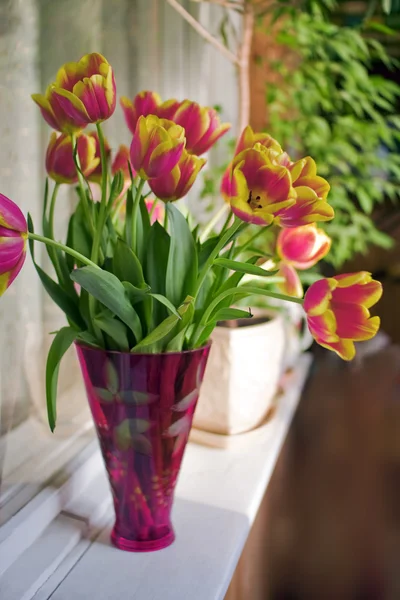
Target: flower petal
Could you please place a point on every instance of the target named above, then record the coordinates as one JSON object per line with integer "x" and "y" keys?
{"x": 11, "y": 215}
{"x": 292, "y": 285}
{"x": 318, "y": 296}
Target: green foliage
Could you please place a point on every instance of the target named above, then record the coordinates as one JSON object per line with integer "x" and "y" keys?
{"x": 332, "y": 108}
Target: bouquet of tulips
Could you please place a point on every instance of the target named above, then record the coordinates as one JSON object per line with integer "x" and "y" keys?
{"x": 133, "y": 274}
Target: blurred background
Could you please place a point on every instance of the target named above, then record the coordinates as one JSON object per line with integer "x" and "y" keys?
{"x": 323, "y": 78}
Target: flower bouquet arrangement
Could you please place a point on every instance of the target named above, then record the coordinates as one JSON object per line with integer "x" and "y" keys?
{"x": 142, "y": 289}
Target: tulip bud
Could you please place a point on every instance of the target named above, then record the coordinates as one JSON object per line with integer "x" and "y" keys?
{"x": 156, "y": 147}
{"x": 84, "y": 92}
{"x": 145, "y": 103}
{"x": 201, "y": 124}
{"x": 13, "y": 236}
{"x": 176, "y": 183}
{"x": 59, "y": 157}
{"x": 97, "y": 173}
{"x": 304, "y": 246}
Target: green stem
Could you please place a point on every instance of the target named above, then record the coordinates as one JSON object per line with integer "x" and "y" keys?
{"x": 136, "y": 202}
{"x": 54, "y": 255}
{"x": 103, "y": 203}
{"x": 211, "y": 224}
{"x": 221, "y": 244}
{"x": 63, "y": 248}
{"x": 81, "y": 183}
{"x": 247, "y": 290}
{"x": 250, "y": 241}
{"x": 226, "y": 224}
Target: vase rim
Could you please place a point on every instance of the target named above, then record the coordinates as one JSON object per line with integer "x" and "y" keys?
{"x": 121, "y": 352}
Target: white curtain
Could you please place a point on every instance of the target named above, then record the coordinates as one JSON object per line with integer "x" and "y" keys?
{"x": 149, "y": 47}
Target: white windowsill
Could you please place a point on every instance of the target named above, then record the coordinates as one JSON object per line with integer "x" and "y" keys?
{"x": 60, "y": 547}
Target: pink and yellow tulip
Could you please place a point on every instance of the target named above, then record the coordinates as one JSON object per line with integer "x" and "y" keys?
{"x": 337, "y": 311}
{"x": 60, "y": 164}
{"x": 177, "y": 183}
{"x": 121, "y": 163}
{"x": 156, "y": 147}
{"x": 201, "y": 124}
{"x": 260, "y": 187}
{"x": 303, "y": 247}
{"x": 247, "y": 140}
{"x": 84, "y": 92}
{"x": 145, "y": 103}
{"x": 168, "y": 108}
{"x": 13, "y": 236}
{"x": 97, "y": 173}
{"x": 311, "y": 192}
{"x": 291, "y": 284}
{"x": 156, "y": 211}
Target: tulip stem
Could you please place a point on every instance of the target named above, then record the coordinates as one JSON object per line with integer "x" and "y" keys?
{"x": 260, "y": 231}
{"x": 153, "y": 207}
{"x": 63, "y": 248}
{"x": 54, "y": 255}
{"x": 81, "y": 183}
{"x": 211, "y": 224}
{"x": 103, "y": 204}
{"x": 136, "y": 202}
{"x": 221, "y": 244}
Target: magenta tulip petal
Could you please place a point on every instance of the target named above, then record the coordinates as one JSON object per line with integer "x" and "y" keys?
{"x": 11, "y": 215}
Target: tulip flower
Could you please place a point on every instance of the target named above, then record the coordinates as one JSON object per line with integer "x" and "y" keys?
{"x": 247, "y": 140}
{"x": 303, "y": 247}
{"x": 311, "y": 192}
{"x": 176, "y": 183}
{"x": 97, "y": 173}
{"x": 13, "y": 236}
{"x": 167, "y": 109}
{"x": 291, "y": 285}
{"x": 156, "y": 210}
{"x": 259, "y": 187}
{"x": 145, "y": 103}
{"x": 59, "y": 157}
{"x": 337, "y": 311}
{"x": 84, "y": 92}
{"x": 156, "y": 147}
{"x": 201, "y": 124}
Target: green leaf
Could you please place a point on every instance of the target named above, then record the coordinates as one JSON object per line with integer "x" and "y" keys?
{"x": 182, "y": 260}
{"x": 142, "y": 230}
{"x": 81, "y": 239}
{"x": 108, "y": 290}
{"x": 229, "y": 314}
{"x": 241, "y": 267}
{"x": 115, "y": 329}
{"x": 155, "y": 267}
{"x": 177, "y": 342}
{"x": 128, "y": 217}
{"x": 88, "y": 339}
{"x": 126, "y": 265}
{"x": 165, "y": 302}
{"x": 56, "y": 293}
{"x": 58, "y": 348}
{"x": 161, "y": 332}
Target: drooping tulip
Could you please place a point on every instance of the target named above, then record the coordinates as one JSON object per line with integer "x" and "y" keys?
{"x": 176, "y": 183}
{"x": 247, "y": 140}
{"x": 97, "y": 173}
{"x": 303, "y": 247}
{"x": 84, "y": 92}
{"x": 145, "y": 103}
{"x": 291, "y": 284}
{"x": 156, "y": 147}
{"x": 259, "y": 187}
{"x": 13, "y": 236}
{"x": 59, "y": 157}
{"x": 337, "y": 311}
{"x": 202, "y": 126}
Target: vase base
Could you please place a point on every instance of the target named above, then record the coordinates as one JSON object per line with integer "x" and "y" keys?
{"x": 142, "y": 546}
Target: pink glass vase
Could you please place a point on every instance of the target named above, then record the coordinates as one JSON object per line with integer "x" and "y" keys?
{"x": 142, "y": 406}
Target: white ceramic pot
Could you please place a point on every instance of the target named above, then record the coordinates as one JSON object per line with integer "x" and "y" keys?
{"x": 242, "y": 376}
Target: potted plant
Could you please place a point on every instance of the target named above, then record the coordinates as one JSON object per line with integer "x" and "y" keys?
{"x": 141, "y": 300}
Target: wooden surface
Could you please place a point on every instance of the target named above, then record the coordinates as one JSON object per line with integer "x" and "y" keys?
{"x": 217, "y": 499}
